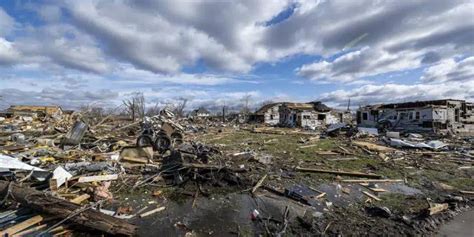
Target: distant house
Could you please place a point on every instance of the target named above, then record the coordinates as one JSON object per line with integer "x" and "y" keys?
{"x": 313, "y": 114}
{"x": 35, "y": 110}
{"x": 267, "y": 114}
{"x": 434, "y": 115}
{"x": 200, "y": 113}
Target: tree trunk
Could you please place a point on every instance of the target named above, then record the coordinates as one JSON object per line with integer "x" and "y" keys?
{"x": 43, "y": 202}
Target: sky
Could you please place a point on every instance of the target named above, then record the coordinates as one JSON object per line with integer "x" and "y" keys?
{"x": 216, "y": 52}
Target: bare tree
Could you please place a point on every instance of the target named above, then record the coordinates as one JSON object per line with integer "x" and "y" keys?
{"x": 246, "y": 104}
{"x": 180, "y": 106}
{"x": 154, "y": 110}
{"x": 135, "y": 105}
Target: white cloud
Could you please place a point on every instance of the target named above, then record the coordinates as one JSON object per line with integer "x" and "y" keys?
{"x": 399, "y": 35}
{"x": 450, "y": 70}
{"x": 446, "y": 79}
{"x": 352, "y": 66}
{"x": 8, "y": 54}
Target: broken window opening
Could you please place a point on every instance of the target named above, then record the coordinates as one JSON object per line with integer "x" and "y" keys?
{"x": 365, "y": 116}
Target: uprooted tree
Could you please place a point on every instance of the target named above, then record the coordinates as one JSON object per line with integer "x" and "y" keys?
{"x": 179, "y": 106}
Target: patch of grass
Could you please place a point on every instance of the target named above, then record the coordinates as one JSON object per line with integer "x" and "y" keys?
{"x": 403, "y": 204}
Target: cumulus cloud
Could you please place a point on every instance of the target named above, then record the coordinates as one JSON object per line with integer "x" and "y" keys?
{"x": 447, "y": 79}
{"x": 399, "y": 36}
{"x": 358, "y": 64}
{"x": 450, "y": 70}
{"x": 8, "y": 54}
{"x": 164, "y": 36}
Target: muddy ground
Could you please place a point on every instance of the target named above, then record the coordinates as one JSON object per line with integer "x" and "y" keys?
{"x": 224, "y": 209}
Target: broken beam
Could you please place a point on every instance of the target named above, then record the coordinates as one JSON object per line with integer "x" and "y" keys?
{"x": 346, "y": 173}
{"x": 372, "y": 180}
{"x": 97, "y": 178}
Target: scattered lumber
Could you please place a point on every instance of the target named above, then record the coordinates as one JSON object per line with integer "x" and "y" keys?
{"x": 97, "y": 178}
{"x": 371, "y": 196}
{"x": 145, "y": 214}
{"x": 79, "y": 199}
{"x": 372, "y": 180}
{"x": 327, "y": 153}
{"x": 308, "y": 146}
{"x": 62, "y": 208}
{"x": 22, "y": 225}
{"x": 467, "y": 192}
{"x": 347, "y": 173}
{"x": 29, "y": 231}
{"x": 373, "y": 147}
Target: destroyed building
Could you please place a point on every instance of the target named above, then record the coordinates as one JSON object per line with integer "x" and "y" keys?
{"x": 267, "y": 114}
{"x": 312, "y": 115}
{"x": 448, "y": 115}
{"x": 35, "y": 110}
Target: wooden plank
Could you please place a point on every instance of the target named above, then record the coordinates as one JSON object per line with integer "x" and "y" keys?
{"x": 80, "y": 199}
{"x": 371, "y": 196}
{"x": 135, "y": 159}
{"x": 378, "y": 190}
{"x": 437, "y": 208}
{"x": 467, "y": 192}
{"x": 373, "y": 147}
{"x": 259, "y": 183}
{"x": 308, "y": 146}
{"x": 30, "y": 230}
{"x": 327, "y": 153}
{"x": 62, "y": 233}
{"x": 347, "y": 173}
{"x": 97, "y": 178}
{"x": 372, "y": 180}
{"x": 152, "y": 212}
{"x": 22, "y": 225}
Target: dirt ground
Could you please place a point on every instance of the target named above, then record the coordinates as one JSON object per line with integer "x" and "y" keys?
{"x": 344, "y": 210}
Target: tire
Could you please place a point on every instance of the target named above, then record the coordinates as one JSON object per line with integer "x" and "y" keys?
{"x": 144, "y": 140}
{"x": 162, "y": 143}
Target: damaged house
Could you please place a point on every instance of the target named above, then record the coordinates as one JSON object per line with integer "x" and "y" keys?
{"x": 448, "y": 115}
{"x": 310, "y": 115}
{"x": 200, "y": 113}
{"x": 267, "y": 114}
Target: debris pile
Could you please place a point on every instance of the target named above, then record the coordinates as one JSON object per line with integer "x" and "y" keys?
{"x": 77, "y": 174}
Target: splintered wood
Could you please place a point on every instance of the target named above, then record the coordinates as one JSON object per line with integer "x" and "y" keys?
{"x": 97, "y": 178}
{"x": 22, "y": 225}
{"x": 373, "y": 147}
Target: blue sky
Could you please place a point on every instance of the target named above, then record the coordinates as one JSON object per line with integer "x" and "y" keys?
{"x": 93, "y": 52}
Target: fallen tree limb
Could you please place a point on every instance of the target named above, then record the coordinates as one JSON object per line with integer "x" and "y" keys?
{"x": 372, "y": 181}
{"x": 43, "y": 202}
{"x": 357, "y": 174}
